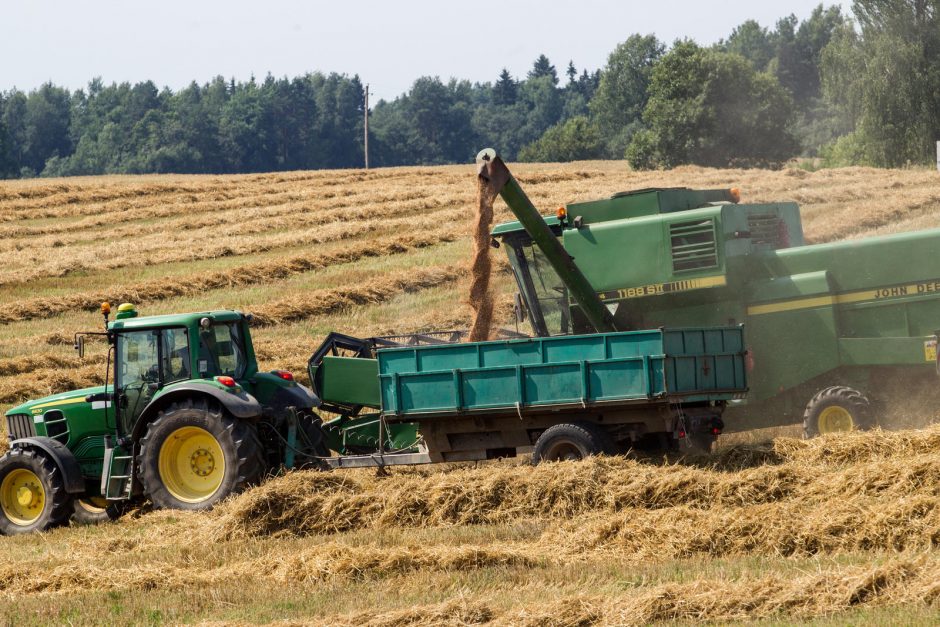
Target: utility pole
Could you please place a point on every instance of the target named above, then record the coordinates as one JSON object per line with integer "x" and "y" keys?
{"x": 367, "y": 127}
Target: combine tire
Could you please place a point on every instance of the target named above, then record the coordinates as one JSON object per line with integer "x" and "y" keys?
{"x": 837, "y": 409}
{"x": 32, "y": 492}
{"x": 95, "y": 510}
{"x": 572, "y": 441}
{"x": 194, "y": 455}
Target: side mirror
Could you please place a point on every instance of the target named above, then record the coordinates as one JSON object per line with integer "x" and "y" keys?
{"x": 80, "y": 346}
{"x": 519, "y": 308}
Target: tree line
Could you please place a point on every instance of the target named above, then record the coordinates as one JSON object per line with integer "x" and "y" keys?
{"x": 859, "y": 89}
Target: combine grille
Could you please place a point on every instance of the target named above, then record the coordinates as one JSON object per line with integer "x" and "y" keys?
{"x": 20, "y": 426}
{"x": 693, "y": 245}
{"x": 768, "y": 229}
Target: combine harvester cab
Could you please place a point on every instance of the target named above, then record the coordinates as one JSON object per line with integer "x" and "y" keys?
{"x": 831, "y": 328}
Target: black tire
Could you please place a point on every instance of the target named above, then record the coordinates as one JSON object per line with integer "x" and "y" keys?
{"x": 572, "y": 441}
{"x": 87, "y": 512}
{"x": 201, "y": 480}
{"x": 837, "y": 409}
{"x": 31, "y": 470}
{"x": 311, "y": 439}
{"x": 700, "y": 443}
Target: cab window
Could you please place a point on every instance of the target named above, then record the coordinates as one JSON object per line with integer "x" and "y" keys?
{"x": 175, "y": 354}
{"x": 147, "y": 360}
{"x": 222, "y": 351}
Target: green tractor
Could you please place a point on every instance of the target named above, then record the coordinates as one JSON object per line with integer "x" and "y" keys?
{"x": 184, "y": 418}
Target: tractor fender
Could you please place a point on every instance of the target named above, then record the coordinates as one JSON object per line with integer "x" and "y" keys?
{"x": 295, "y": 396}
{"x": 61, "y": 456}
{"x": 240, "y": 405}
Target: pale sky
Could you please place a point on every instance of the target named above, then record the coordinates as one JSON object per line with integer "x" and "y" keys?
{"x": 388, "y": 44}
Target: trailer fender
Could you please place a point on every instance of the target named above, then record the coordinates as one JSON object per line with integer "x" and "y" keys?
{"x": 61, "y": 456}
{"x": 240, "y": 405}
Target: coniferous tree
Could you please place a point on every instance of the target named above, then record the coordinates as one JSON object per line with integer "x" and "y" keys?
{"x": 506, "y": 89}
{"x": 543, "y": 67}
{"x": 572, "y": 73}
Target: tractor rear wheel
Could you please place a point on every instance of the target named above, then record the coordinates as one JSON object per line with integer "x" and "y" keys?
{"x": 32, "y": 492}
{"x": 572, "y": 441}
{"x": 194, "y": 455}
{"x": 94, "y": 510}
{"x": 837, "y": 409}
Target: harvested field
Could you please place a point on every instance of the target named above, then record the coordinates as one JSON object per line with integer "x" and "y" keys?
{"x": 838, "y": 530}
{"x": 789, "y": 530}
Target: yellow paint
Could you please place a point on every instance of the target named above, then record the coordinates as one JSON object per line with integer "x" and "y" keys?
{"x": 881, "y": 294}
{"x": 835, "y": 419}
{"x": 657, "y": 289}
{"x": 94, "y": 504}
{"x": 22, "y": 497}
{"x": 191, "y": 464}
{"x": 68, "y": 401}
{"x": 791, "y": 305}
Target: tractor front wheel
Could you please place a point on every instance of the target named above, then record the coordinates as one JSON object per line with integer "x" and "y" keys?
{"x": 32, "y": 492}
{"x": 95, "y": 510}
{"x": 194, "y": 455}
{"x": 837, "y": 409}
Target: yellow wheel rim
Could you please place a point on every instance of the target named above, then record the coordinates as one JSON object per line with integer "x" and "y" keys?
{"x": 835, "y": 419}
{"x": 22, "y": 497}
{"x": 94, "y": 504}
{"x": 191, "y": 464}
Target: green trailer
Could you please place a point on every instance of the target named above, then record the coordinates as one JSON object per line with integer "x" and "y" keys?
{"x": 660, "y": 388}
{"x": 832, "y": 328}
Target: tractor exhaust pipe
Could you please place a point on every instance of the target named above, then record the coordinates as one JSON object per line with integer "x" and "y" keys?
{"x": 497, "y": 177}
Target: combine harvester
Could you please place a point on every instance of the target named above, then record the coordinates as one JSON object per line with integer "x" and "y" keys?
{"x": 189, "y": 419}
{"x": 832, "y": 329}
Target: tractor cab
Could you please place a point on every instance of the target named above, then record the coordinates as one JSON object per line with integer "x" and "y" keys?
{"x": 184, "y": 418}
{"x": 157, "y": 352}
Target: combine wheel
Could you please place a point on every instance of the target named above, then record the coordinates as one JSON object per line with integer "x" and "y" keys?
{"x": 837, "y": 409}
{"x": 194, "y": 455}
{"x": 572, "y": 441}
{"x": 32, "y": 492}
{"x": 94, "y": 510}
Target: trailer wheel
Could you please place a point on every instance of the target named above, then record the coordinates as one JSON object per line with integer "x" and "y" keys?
{"x": 572, "y": 441}
{"x": 837, "y": 409}
{"x": 700, "y": 443}
{"x": 32, "y": 492}
{"x": 194, "y": 455}
{"x": 95, "y": 510}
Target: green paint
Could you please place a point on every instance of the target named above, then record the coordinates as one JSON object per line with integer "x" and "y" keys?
{"x": 814, "y": 315}
{"x": 155, "y": 357}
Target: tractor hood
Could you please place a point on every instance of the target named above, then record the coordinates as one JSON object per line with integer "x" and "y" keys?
{"x": 56, "y": 401}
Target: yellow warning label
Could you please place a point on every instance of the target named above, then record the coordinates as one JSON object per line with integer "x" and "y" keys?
{"x": 930, "y": 350}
